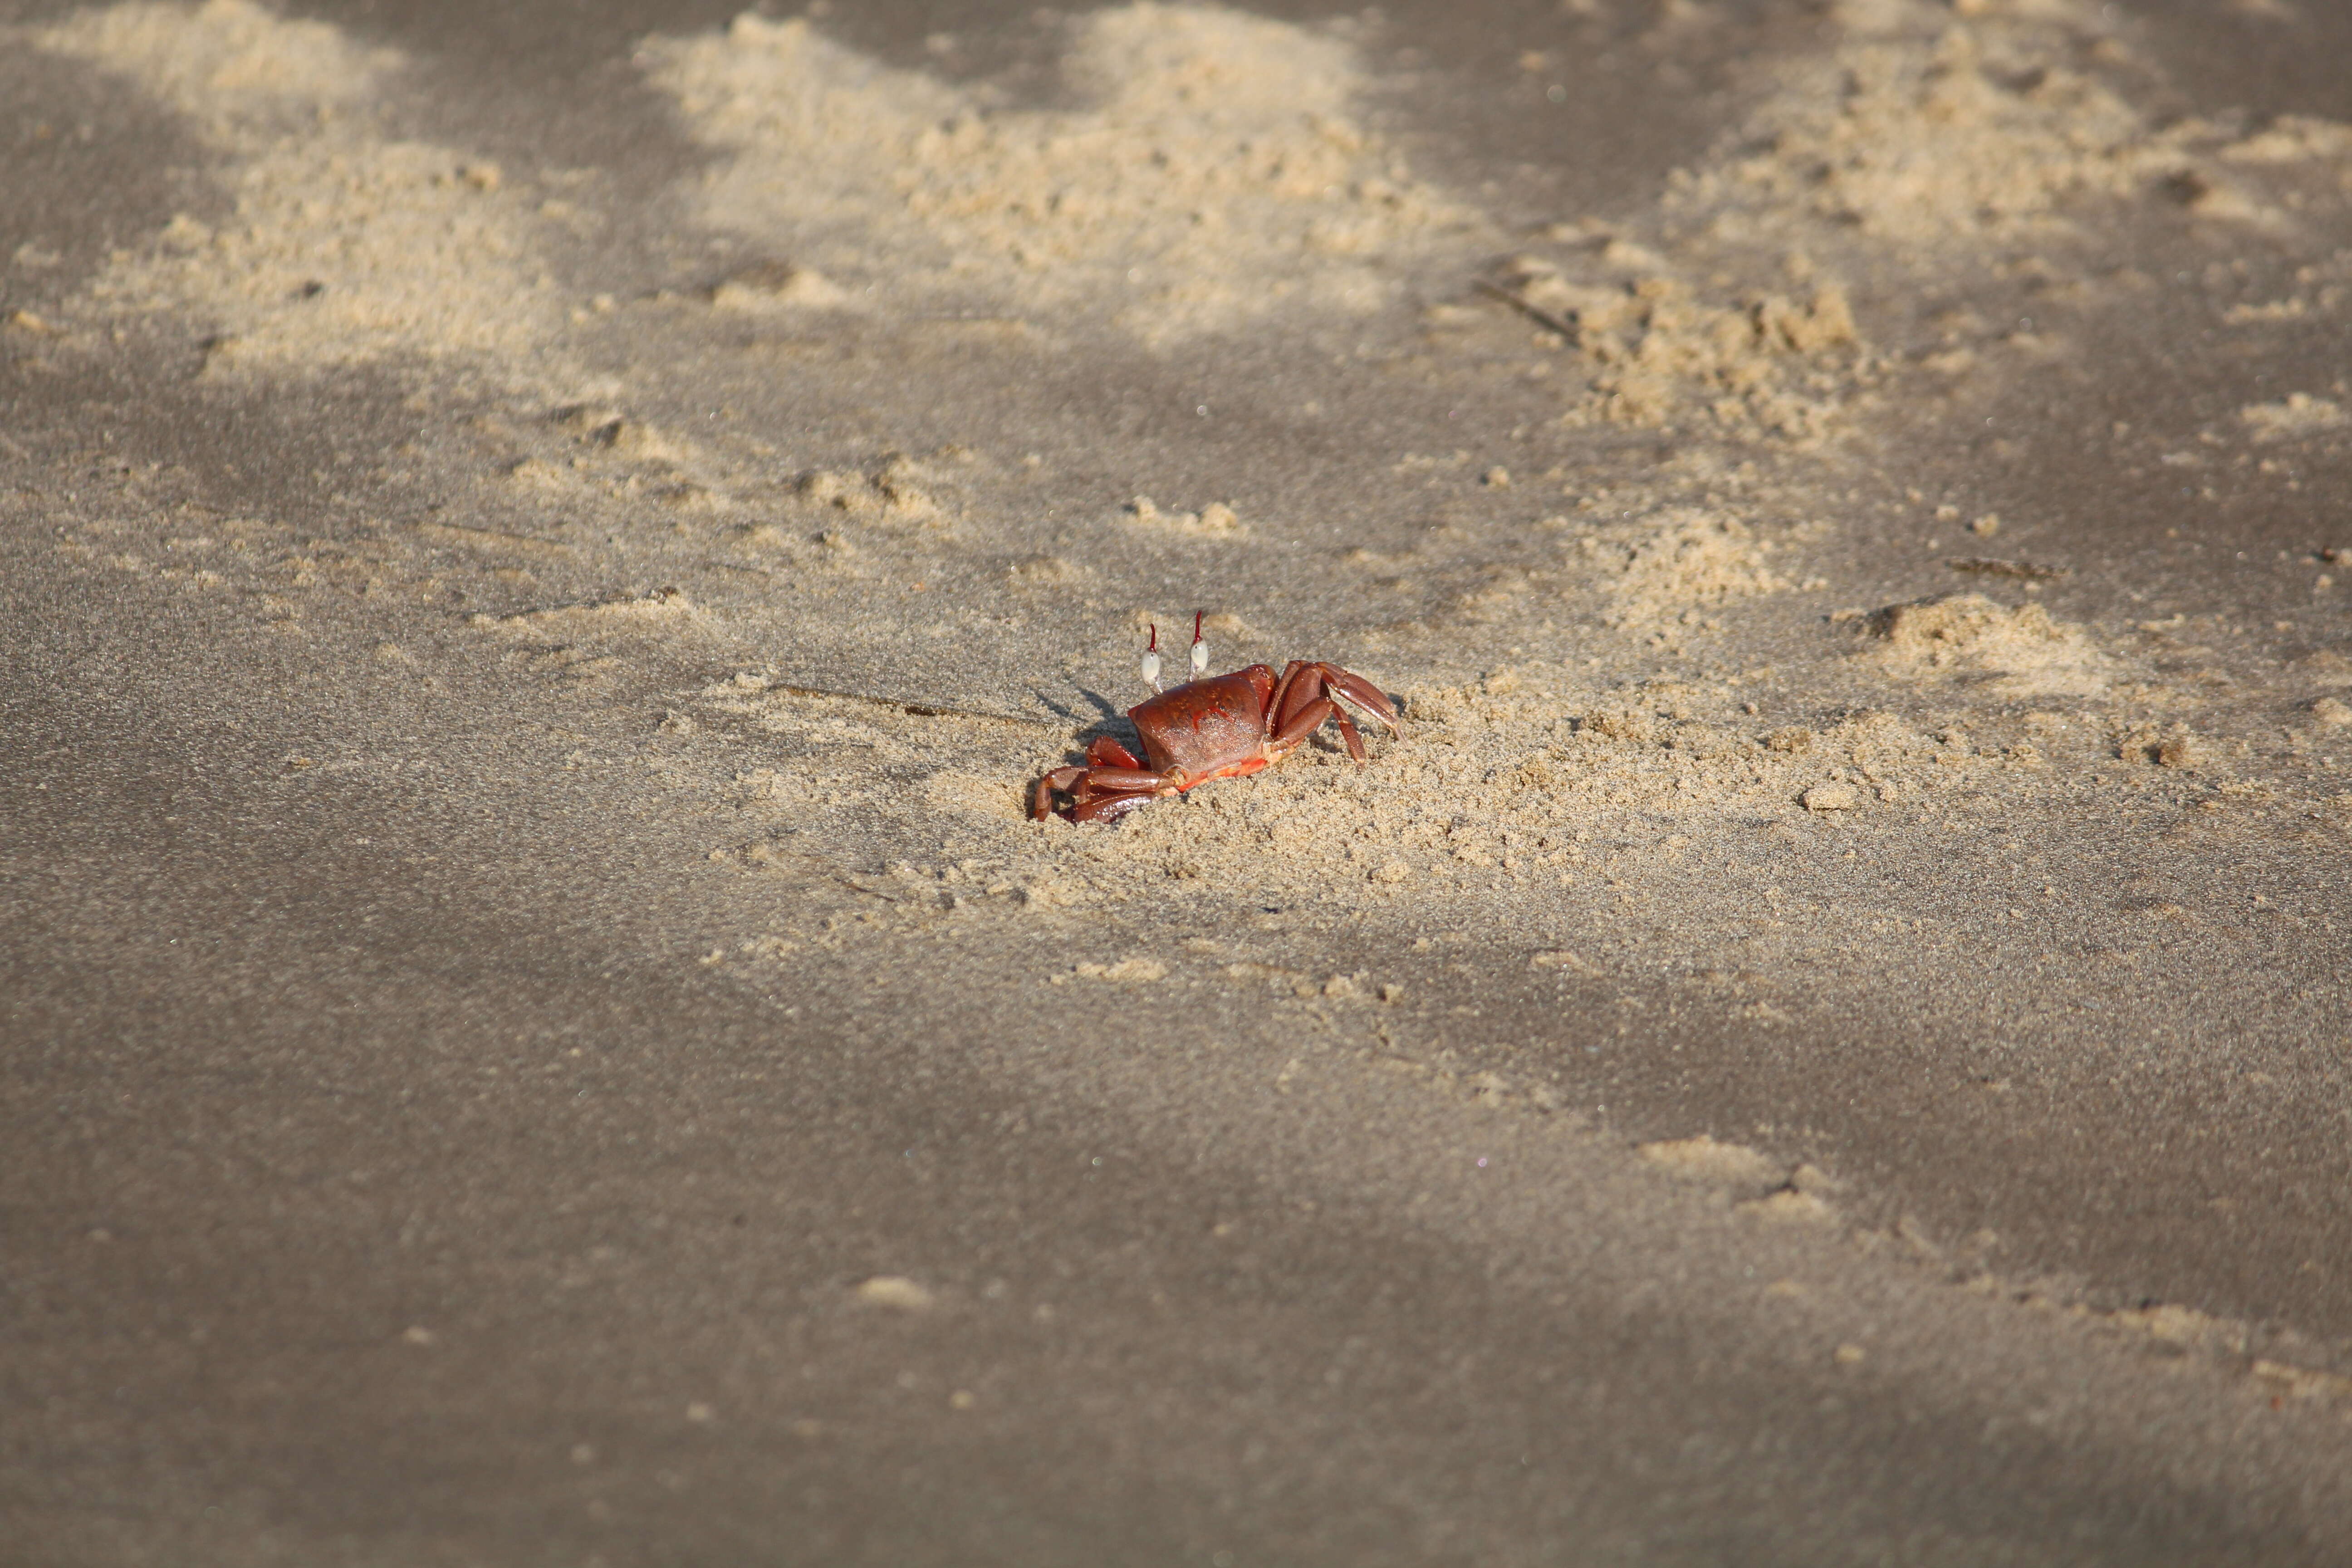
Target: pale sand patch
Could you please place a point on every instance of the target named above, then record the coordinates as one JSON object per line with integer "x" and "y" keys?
{"x": 2299, "y": 416}
{"x": 1662, "y": 350}
{"x": 775, "y": 286}
{"x": 1924, "y": 126}
{"x": 1789, "y": 1207}
{"x": 896, "y": 1291}
{"x": 1702, "y": 1158}
{"x": 342, "y": 247}
{"x": 660, "y": 610}
{"x": 2024, "y": 651}
{"x": 1215, "y": 521}
{"x": 1213, "y": 169}
{"x": 1494, "y": 791}
{"x": 1126, "y": 972}
{"x": 226, "y": 64}
{"x": 1922, "y": 134}
{"x": 985, "y": 795}
{"x": 2293, "y": 139}
{"x": 1683, "y": 562}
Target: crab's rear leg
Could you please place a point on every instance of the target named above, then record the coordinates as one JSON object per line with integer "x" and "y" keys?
{"x": 1289, "y": 695}
{"x": 1306, "y": 686}
{"x": 1305, "y": 720}
{"x": 1355, "y": 688}
{"x": 1300, "y": 705}
{"x": 1348, "y": 733}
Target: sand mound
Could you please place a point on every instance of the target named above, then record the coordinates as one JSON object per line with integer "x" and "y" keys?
{"x": 228, "y": 64}
{"x": 1502, "y": 785}
{"x": 1213, "y": 171}
{"x": 1923, "y": 133}
{"x": 776, "y": 287}
{"x": 2299, "y": 416}
{"x": 1662, "y": 353}
{"x": 2293, "y": 139}
{"x": 341, "y": 247}
{"x": 1683, "y": 566}
{"x": 2024, "y": 651}
{"x": 1702, "y": 1158}
{"x": 1215, "y": 521}
{"x": 1930, "y": 124}
{"x": 1923, "y": 126}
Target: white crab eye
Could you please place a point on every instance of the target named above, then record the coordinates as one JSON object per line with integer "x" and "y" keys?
{"x": 1151, "y": 668}
{"x": 1200, "y": 651}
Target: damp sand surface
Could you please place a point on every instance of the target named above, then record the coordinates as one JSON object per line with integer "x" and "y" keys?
{"x": 538, "y": 1024}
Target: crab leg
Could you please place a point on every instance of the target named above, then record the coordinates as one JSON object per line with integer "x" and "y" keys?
{"x": 1302, "y": 683}
{"x": 1297, "y": 688}
{"x": 1123, "y": 781}
{"x": 1348, "y": 733}
{"x": 1087, "y": 785}
{"x": 1362, "y": 693}
{"x": 1106, "y": 795}
{"x": 1041, "y": 803}
{"x": 1107, "y": 752}
{"x": 1303, "y": 723}
{"x": 1340, "y": 688}
{"x": 1300, "y": 708}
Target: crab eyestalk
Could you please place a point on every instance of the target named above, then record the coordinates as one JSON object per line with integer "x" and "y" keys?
{"x": 1199, "y": 649}
{"x": 1151, "y": 658}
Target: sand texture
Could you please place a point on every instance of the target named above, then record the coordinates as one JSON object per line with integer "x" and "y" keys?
{"x": 546, "y": 551}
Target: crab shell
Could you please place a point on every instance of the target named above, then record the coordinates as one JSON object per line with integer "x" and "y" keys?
{"x": 1208, "y": 725}
{"x": 1224, "y": 726}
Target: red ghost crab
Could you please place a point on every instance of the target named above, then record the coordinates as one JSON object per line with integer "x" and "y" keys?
{"x": 1220, "y": 727}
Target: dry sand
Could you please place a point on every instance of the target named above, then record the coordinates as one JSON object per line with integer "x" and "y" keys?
{"x": 545, "y": 554}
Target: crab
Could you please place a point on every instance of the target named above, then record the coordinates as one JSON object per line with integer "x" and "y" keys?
{"x": 1219, "y": 727}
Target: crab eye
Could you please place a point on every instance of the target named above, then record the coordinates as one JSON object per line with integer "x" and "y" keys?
{"x": 1200, "y": 648}
{"x": 1151, "y": 660}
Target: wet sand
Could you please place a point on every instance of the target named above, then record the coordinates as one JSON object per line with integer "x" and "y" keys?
{"x": 544, "y": 553}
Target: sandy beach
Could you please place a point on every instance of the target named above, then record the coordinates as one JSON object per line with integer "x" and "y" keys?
{"x": 544, "y": 552}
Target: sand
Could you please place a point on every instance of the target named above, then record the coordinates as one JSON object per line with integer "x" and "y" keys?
{"x": 1210, "y": 169}
{"x": 1823, "y": 1037}
{"x": 332, "y": 244}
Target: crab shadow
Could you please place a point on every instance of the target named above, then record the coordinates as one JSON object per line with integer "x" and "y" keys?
{"x": 1106, "y": 718}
